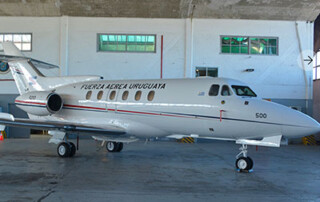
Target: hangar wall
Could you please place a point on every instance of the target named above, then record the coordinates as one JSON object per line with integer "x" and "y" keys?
{"x": 71, "y": 42}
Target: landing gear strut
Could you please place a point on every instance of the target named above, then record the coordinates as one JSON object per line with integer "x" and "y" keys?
{"x": 66, "y": 149}
{"x": 114, "y": 146}
{"x": 244, "y": 163}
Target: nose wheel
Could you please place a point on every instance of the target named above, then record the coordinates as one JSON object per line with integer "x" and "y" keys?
{"x": 244, "y": 163}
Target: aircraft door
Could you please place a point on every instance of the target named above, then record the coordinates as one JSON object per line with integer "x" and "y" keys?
{"x": 225, "y": 95}
{"x": 221, "y": 97}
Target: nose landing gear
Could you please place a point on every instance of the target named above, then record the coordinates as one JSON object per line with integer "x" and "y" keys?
{"x": 244, "y": 163}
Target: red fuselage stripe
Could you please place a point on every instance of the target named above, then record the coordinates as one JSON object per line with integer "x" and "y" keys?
{"x": 83, "y": 107}
{"x": 27, "y": 102}
{"x": 97, "y": 108}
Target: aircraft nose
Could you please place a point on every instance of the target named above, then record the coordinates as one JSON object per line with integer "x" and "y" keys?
{"x": 302, "y": 125}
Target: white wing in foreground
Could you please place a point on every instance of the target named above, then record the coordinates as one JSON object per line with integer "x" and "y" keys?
{"x": 9, "y": 120}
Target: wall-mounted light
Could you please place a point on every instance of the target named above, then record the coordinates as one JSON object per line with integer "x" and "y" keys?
{"x": 249, "y": 70}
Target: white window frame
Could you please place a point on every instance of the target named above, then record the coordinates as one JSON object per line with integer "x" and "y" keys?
{"x": 15, "y": 33}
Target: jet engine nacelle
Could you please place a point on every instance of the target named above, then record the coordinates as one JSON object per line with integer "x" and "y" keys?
{"x": 41, "y": 103}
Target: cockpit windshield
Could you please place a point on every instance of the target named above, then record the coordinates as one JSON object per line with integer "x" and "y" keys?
{"x": 243, "y": 91}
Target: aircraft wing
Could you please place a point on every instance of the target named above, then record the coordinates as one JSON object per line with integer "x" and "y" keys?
{"x": 8, "y": 120}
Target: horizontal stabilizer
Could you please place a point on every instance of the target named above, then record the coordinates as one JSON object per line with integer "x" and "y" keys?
{"x": 272, "y": 141}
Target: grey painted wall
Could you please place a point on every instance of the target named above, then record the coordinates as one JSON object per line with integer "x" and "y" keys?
{"x": 7, "y": 104}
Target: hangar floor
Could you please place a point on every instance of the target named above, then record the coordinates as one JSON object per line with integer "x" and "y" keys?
{"x": 157, "y": 171}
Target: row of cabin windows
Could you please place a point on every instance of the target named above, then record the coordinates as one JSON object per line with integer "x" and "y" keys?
{"x": 125, "y": 95}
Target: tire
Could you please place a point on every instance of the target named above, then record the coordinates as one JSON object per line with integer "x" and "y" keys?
{"x": 244, "y": 164}
{"x": 72, "y": 149}
{"x": 251, "y": 162}
{"x": 120, "y": 147}
{"x": 63, "y": 149}
{"x": 112, "y": 146}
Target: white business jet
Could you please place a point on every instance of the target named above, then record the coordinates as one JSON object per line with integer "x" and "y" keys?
{"x": 123, "y": 111}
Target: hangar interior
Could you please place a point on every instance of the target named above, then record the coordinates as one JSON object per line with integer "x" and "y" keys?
{"x": 273, "y": 46}
{"x": 264, "y": 44}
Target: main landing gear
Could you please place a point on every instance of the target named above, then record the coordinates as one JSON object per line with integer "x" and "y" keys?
{"x": 66, "y": 149}
{"x": 244, "y": 163}
{"x": 114, "y": 146}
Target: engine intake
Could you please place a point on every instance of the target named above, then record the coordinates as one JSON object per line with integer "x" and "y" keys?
{"x": 41, "y": 103}
{"x": 54, "y": 103}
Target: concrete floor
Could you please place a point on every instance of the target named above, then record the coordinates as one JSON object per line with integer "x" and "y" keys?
{"x": 158, "y": 171}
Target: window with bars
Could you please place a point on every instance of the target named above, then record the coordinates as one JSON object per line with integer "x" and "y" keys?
{"x": 127, "y": 43}
{"x": 22, "y": 40}
{"x": 249, "y": 45}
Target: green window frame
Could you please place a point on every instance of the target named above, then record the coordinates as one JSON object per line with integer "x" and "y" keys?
{"x": 127, "y": 43}
{"x": 23, "y": 41}
{"x": 237, "y": 45}
{"x": 249, "y": 45}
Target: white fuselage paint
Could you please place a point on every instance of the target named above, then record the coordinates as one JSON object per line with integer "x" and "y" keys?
{"x": 180, "y": 106}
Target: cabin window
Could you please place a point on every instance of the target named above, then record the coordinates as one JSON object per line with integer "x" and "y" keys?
{"x": 100, "y": 94}
{"x": 243, "y": 91}
{"x": 225, "y": 91}
{"x": 138, "y": 95}
{"x": 125, "y": 95}
{"x": 88, "y": 95}
{"x": 150, "y": 95}
{"x": 214, "y": 90}
{"x": 112, "y": 95}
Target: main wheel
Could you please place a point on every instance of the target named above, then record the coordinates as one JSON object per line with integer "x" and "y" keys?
{"x": 112, "y": 146}
{"x": 120, "y": 146}
{"x": 244, "y": 163}
{"x": 72, "y": 149}
{"x": 251, "y": 162}
{"x": 63, "y": 149}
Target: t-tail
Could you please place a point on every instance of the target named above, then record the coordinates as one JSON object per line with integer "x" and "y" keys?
{"x": 24, "y": 74}
{"x": 28, "y": 78}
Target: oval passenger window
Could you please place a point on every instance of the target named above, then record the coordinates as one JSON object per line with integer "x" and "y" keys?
{"x": 125, "y": 95}
{"x": 112, "y": 95}
{"x": 100, "y": 94}
{"x": 138, "y": 95}
{"x": 150, "y": 95}
{"x": 88, "y": 95}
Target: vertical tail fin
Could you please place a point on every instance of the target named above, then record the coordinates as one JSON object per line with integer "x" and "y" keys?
{"x": 23, "y": 72}
{"x": 29, "y": 78}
